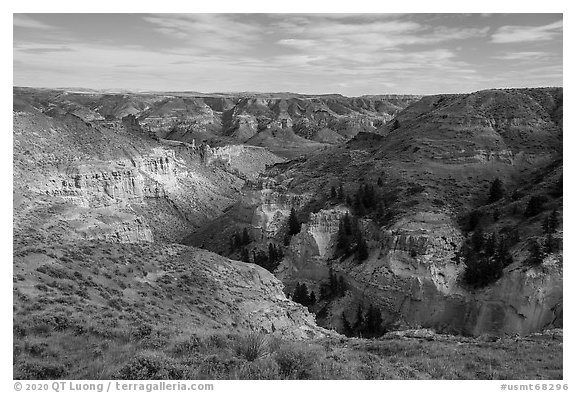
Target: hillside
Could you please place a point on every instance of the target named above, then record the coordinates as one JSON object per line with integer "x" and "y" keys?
{"x": 429, "y": 172}
{"x": 229, "y": 118}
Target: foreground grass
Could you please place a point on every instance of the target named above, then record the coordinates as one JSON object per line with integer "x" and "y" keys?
{"x": 155, "y": 355}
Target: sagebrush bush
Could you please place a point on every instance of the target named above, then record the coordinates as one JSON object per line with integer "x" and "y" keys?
{"x": 151, "y": 366}
{"x": 251, "y": 346}
{"x": 260, "y": 369}
{"x": 297, "y": 361}
{"x": 37, "y": 369}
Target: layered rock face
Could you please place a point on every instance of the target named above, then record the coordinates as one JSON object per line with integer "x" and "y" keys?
{"x": 112, "y": 182}
{"x": 437, "y": 164}
{"x": 101, "y": 200}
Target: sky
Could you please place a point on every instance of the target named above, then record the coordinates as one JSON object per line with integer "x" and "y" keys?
{"x": 349, "y": 54}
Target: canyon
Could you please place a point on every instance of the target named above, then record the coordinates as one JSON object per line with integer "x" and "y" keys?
{"x": 127, "y": 205}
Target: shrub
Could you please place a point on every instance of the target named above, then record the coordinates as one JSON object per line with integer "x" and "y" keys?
{"x": 35, "y": 369}
{"x": 187, "y": 346}
{"x": 260, "y": 369}
{"x": 150, "y": 366}
{"x": 496, "y": 191}
{"x": 535, "y": 205}
{"x": 296, "y": 361}
{"x": 251, "y": 346}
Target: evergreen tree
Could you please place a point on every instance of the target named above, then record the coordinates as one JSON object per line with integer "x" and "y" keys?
{"x": 477, "y": 240}
{"x": 368, "y": 196}
{"x": 535, "y": 205}
{"x": 245, "y": 237}
{"x": 496, "y": 215}
{"x": 502, "y": 254}
{"x": 347, "y": 329}
{"x": 312, "y": 298}
{"x": 536, "y": 254}
{"x": 558, "y": 189}
{"x": 342, "y": 240}
{"x": 496, "y": 191}
{"x": 473, "y": 220}
{"x": 245, "y": 256}
{"x": 293, "y": 224}
{"x": 373, "y": 324}
{"x": 359, "y": 324}
{"x": 301, "y": 294}
{"x": 554, "y": 220}
{"x": 358, "y": 206}
{"x": 347, "y": 224}
{"x": 550, "y": 244}
{"x": 341, "y": 286}
{"x": 362, "y": 248}
{"x": 341, "y": 194}
{"x": 272, "y": 256}
{"x": 490, "y": 244}
{"x": 333, "y": 282}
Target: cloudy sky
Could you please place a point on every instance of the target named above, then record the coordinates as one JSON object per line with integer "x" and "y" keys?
{"x": 351, "y": 54}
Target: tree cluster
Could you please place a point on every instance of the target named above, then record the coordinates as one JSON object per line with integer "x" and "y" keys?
{"x": 294, "y": 226}
{"x": 336, "y": 287}
{"x": 350, "y": 238}
{"x": 270, "y": 260}
{"x": 302, "y": 296}
{"x": 536, "y": 256}
{"x": 367, "y": 324}
{"x": 485, "y": 258}
{"x": 239, "y": 240}
{"x": 535, "y": 205}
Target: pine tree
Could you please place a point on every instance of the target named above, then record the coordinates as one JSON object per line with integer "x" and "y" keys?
{"x": 333, "y": 282}
{"x": 554, "y": 220}
{"x": 341, "y": 286}
{"x": 301, "y": 294}
{"x": 272, "y": 252}
{"x": 477, "y": 240}
{"x": 373, "y": 324}
{"x": 347, "y": 329}
{"x": 550, "y": 244}
{"x": 536, "y": 254}
{"x": 535, "y": 205}
{"x": 359, "y": 324}
{"x": 347, "y": 224}
{"x": 341, "y": 194}
{"x": 312, "y": 298}
{"x": 362, "y": 248}
{"x": 496, "y": 215}
{"x": 245, "y": 255}
{"x": 245, "y": 237}
{"x": 496, "y": 191}
{"x": 293, "y": 224}
{"x": 342, "y": 240}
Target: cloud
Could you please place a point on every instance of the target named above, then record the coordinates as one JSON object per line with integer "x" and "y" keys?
{"x": 211, "y": 32}
{"x": 514, "y": 34}
{"x": 518, "y": 56}
{"x": 27, "y": 22}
